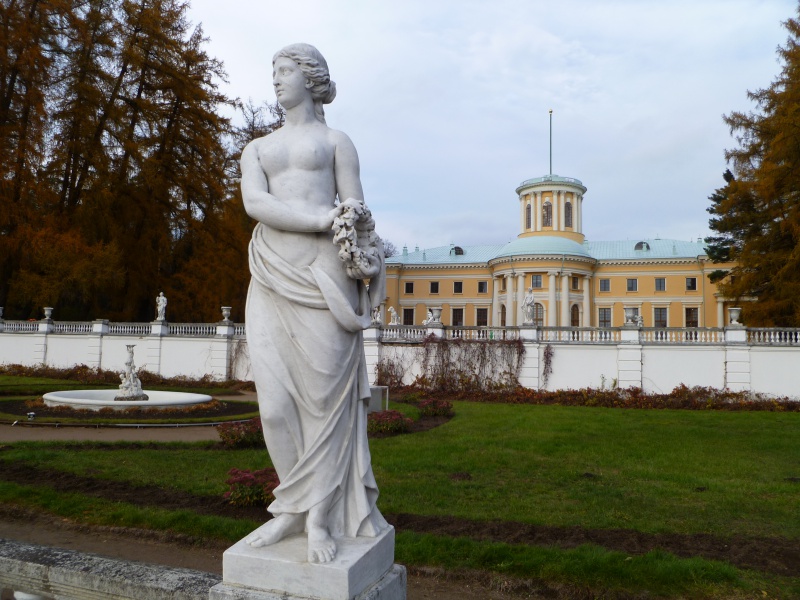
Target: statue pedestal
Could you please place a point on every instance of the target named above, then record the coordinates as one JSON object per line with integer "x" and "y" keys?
{"x": 362, "y": 570}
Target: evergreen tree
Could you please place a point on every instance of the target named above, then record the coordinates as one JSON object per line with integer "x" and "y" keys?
{"x": 757, "y": 213}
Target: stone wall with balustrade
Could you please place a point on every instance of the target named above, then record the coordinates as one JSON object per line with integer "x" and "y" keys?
{"x": 656, "y": 359}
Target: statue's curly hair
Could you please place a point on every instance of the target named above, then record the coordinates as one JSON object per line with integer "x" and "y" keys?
{"x": 314, "y": 67}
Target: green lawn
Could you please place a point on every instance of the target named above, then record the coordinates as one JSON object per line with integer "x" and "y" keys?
{"x": 724, "y": 473}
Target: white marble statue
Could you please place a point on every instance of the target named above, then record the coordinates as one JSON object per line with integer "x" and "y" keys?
{"x": 428, "y": 318}
{"x": 528, "y": 306}
{"x": 130, "y": 387}
{"x": 306, "y": 308}
{"x": 161, "y": 307}
{"x": 394, "y": 319}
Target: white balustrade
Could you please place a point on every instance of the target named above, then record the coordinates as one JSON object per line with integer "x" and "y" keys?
{"x": 72, "y": 327}
{"x": 193, "y": 329}
{"x": 21, "y": 326}
{"x": 482, "y": 333}
{"x": 239, "y": 330}
{"x": 404, "y": 333}
{"x": 580, "y": 335}
{"x": 682, "y": 335}
{"x": 773, "y": 336}
{"x": 138, "y": 329}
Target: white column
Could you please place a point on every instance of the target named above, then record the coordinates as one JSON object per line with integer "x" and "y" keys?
{"x": 551, "y": 298}
{"x": 720, "y": 313}
{"x": 587, "y": 303}
{"x": 495, "y": 321}
{"x": 565, "y": 300}
{"x": 556, "y": 211}
{"x": 578, "y": 212}
{"x": 510, "y": 312}
{"x": 537, "y": 211}
{"x": 520, "y": 297}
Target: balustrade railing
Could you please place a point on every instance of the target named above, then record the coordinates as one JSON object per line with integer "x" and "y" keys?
{"x": 481, "y": 333}
{"x": 760, "y": 336}
{"x": 403, "y": 333}
{"x": 193, "y": 329}
{"x": 72, "y": 327}
{"x": 21, "y": 326}
{"x": 756, "y": 336}
{"x": 129, "y": 329}
{"x": 581, "y": 335}
{"x": 682, "y": 335}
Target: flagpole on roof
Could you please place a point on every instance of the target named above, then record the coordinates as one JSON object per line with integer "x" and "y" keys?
{"x": 551, "y": 141}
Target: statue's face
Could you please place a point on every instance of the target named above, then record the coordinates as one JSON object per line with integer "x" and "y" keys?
{"x": 291, "y": 86}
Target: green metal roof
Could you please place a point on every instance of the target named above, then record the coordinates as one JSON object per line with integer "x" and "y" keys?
{"x": 549, "y": 179}
{"x": 543, "y": 245}
{"x": 446, "y": 255}
{"x": 553, "y": 245}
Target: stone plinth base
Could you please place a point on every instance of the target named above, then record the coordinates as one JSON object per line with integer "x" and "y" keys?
{"x": 363, "y": 569}
{"x": 392, "y": 586}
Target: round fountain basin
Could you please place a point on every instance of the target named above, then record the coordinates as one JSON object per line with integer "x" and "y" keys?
{"x": 98, "y": 399}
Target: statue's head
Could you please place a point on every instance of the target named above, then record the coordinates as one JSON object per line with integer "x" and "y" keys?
{"x": 314, "y": 67}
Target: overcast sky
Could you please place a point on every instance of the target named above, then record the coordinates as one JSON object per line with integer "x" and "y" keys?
{"x": 447, "y": 100}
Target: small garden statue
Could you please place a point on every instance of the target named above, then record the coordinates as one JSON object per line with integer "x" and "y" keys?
{"x": 161, "y": 307}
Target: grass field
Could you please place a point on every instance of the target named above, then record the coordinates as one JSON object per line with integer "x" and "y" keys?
{"x": 679, "y": 472}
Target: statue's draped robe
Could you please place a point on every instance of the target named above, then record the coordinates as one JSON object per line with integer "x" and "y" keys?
{"x": 304, "y": 336}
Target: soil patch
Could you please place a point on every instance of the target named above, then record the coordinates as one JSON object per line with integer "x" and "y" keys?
{"x": 770, "y": 554}
{"x": 210, "y": 410}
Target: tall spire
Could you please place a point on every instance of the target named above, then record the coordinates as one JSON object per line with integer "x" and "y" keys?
{"x": 551, "y": 141}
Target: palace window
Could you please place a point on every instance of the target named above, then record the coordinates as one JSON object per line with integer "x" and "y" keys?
{"x": 568, "y": 214}
{"x": 633, "y": 285}
{"x": 458, "y": 287}
{"x": 547, "y": 214}
{"x": 434, "y": 287}
{"x": 482, "y": 317}
{"x": 538, "y": 315}
{"x": 691, "y": 284}
{"x": 408, "y": 316}
{"x": 604, "y": 317}
{"x": 502, "y": 315}
{"x": 528, "y": 216}
{"x": 576, "y": 283}
{"x": 660, "y": 317}
{"x": 483, "y": 287}
{"x": 458, "y": 317}
{"x": 575, "y": 316}
{"x": 536, "y": 281}
{"x": 502, "y": 284}
{"x": 661, "y": 284}
{"x": 409, "y": 287}
{"x": 605, "y": 285}
{"x": 692, "y": 317}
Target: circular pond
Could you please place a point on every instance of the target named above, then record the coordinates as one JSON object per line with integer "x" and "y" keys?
{"x": 98, "y": 399}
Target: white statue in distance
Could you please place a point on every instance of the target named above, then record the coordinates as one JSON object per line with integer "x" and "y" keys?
{"x": 306, "y": 308}
{"x": 161, "y": 307}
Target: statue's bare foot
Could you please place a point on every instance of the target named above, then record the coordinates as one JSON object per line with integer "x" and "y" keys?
{"x": 275, "y": 530}
{"x": 321, "y": 547}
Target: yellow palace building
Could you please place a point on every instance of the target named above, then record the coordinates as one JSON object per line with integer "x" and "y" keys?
{"x": 574, "y": 282}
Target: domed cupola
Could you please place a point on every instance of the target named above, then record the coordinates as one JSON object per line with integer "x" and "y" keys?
{"x": 551, "y": 206}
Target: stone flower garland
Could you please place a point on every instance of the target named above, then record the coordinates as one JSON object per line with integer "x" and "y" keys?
{"x": 354, "y": 231}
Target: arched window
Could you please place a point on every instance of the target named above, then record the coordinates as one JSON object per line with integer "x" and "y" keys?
{"x": 575, "y": 316}
{"x": 538, "y": 315}
{"x": 528, "y": 216}
{"x": 568, "y": 214}
{"x": 502, "y": 315}
{"x": 547, "y": 214}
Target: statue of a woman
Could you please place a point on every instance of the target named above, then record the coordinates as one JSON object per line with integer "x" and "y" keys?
{"x": 306, "y": 309}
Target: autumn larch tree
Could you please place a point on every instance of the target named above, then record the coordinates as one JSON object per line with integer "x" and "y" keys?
{"x": 756, "y": 215}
